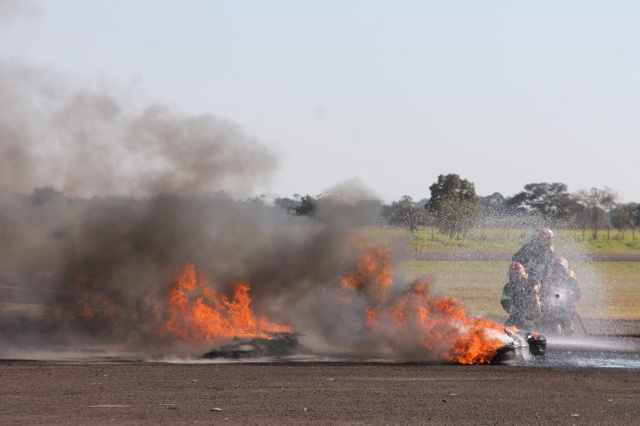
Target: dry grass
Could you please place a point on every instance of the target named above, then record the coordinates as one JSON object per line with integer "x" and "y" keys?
{"x": 610, "y": 290}
{"x": 503, "y": 240}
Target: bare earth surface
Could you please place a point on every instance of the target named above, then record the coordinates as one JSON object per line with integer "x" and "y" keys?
{"x": 116, "y": 393}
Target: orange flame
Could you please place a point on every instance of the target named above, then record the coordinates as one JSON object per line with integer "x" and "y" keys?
{"x": 372, "y": 271}
{"x": 420, "y": 321}
{"x": 414, "y": 321}
{"x": 91, "y": 303}
{"x": 197, "y": 312}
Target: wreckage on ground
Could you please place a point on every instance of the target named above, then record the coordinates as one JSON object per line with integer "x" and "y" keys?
{"x": 525, "y": 346}
{"x": 280, "y": 345}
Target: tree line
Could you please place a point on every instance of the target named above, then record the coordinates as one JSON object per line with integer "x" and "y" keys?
{"x": 454, "y": 208}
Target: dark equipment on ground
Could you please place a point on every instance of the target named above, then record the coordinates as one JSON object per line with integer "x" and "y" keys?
{"x": 526, "y": 346}
{"x": 537, "y": 343}
{"x": 282, "y": 344}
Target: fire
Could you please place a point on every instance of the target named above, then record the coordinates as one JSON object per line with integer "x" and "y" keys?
{"x": 91, "y": 303}
{"x": 197, "y": 312}
{"x": 421, "y": 322}
{"x": 374, "y": 262}
{"x": 414, "y": 323}
{"x": 373, "y": 272}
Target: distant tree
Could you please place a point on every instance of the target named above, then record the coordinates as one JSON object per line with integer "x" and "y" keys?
{"x": 493, "y": 205}
{"x": 550, "y": 200}
{"x": 421, "y": 203}
{"x": 595, "y": 204}
{"x": 307, "y": 206}
{"x": 256, "y": 201}
{"x": 405, "y": 214}
{"x": 622, "y": 218}
{"x": 46, "y": 195}
{"x": 636, "y": 218}
{"x": 287, "y": 204}
{"x": 454, "y": 205}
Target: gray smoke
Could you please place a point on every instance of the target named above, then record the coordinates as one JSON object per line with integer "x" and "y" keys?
{"x": 98, "y": 142}
{"x": 14, "y": 9}
{"x": 104, "y": 197}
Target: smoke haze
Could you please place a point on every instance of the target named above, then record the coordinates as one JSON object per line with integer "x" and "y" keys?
{"x": 106, "y": 196}
{"x": 104, "y": 141}
{"x": 14, "y": 9}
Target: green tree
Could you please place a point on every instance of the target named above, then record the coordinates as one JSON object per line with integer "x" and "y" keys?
{"x": 405, "y": 214}
{"x": 636, "y": 218}
{"x": 595, "y": 204}
{"x": 622, "y": 218}
{"x": 454, "y": 205}
{"x": 493, "y": 205}
{"x": 550, "y": 200}
{"x": 286, "y": 204}
{"x": 307, "y": 206}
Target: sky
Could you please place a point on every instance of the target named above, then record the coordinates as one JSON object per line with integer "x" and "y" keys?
{"x": 389, "y": 94}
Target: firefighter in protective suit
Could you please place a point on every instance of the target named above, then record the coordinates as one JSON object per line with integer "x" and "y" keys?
{"x": 520, "y": 298}
{"x": 537, "y": 255}
{"x": 559, "y": 294}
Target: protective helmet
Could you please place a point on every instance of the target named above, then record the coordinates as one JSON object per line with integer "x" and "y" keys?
{"x": 545, "y": 234}
{"x": 561, "y": 262}
{"x": 517, "y": 270}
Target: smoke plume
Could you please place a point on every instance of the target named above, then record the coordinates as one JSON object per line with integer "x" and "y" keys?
{"x": 104, "y": 197}
{"x": 104, "y": 141}
{"x": 13, "y": 9}
{"x": 126, "y": 223}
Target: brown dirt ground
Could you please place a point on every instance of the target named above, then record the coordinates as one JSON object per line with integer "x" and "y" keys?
{"x": 139, "y": 393}
{"x": 135, "y": 393}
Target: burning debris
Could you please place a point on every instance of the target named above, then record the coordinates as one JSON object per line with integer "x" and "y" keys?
{"x": 208, "y": 315}
{"x": 277, "y": 345}
{"x": 112, "y": 264}
{"x": 526, "y": 346}
{"x": 369, "y": 314}
{"x": 418, "y": 324}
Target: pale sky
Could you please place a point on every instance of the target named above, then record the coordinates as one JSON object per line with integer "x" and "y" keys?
{"x": 503, "y": 93}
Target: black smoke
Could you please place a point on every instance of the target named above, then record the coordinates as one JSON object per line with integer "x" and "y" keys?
{"x": 105, "y": 196}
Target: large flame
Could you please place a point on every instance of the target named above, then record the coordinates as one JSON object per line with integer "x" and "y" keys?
{"x": 417, "y": 320}
{"x": 372, "y": 274}
{"x": 414, "y": 323}
{"x": 197, "y": 312}
{"x": 375, "y": 263}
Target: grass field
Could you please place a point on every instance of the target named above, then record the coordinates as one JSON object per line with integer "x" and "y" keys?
{"x": 503, "y": 241}
{"x": 610, "y": 290}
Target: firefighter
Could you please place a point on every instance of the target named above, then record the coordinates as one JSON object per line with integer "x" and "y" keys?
{"x": 537, "y": 255}
{"x": 520, "y": 298}
{"x": 559, "y": 294}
